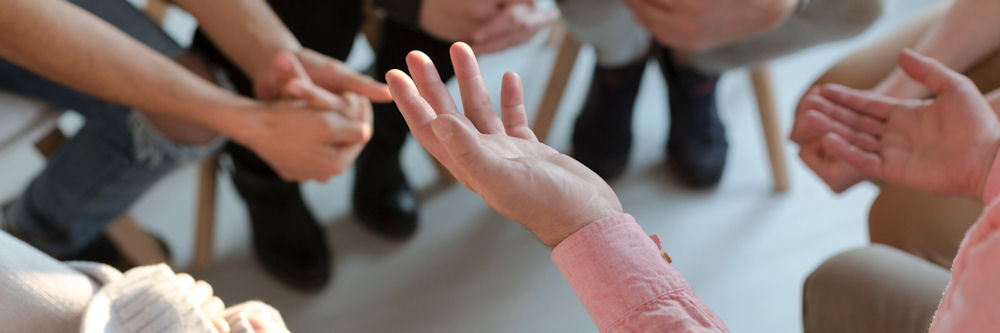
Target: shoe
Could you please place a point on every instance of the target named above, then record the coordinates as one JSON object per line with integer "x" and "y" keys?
{"x": 697, "y": 146}
{"x": 287, "y": 240}
{"x": 602, "y": 134}
{"x": 383, "y": 199}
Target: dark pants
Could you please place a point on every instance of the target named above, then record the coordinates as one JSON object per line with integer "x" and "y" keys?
{"x": 330, "y": 27}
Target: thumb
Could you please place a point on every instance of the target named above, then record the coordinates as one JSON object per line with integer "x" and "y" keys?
{"x": 316, "y": 97}
{"x": 366, "y": 86}
{"x": 932, "y": 74}
{"x": 462, "y": 144}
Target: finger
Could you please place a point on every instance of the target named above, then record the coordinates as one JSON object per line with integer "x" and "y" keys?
{"x": 515, "y": 118}
{"x": 475, "y": 99}
{"x": 415, "y": 110}
{"x": 290, "y": 68}
{"x": 867, "y": 162}
{"x": 848, "y": 117}
{"x": 934, "y": 75}
{"x": 499, "y": 25}
{"x": 429, "y": 84}
{"x": 823, "y": 124}
{"x": 184, "y": 281}
{"x": 869, "y": 103}
{"x": 368, "y": 87}
{"x": 221, "y": 325}
{"x": 462, "y": 145}
{"x": 315, "y": 97}
{"x": 200, "y": 292}
{"x": 213, "y": 307}
{"x": 346, "y": 132}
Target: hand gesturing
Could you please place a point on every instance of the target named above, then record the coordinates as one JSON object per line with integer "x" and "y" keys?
{"x": 549, "y": 193}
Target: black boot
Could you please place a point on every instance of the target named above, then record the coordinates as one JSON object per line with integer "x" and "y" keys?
{"x": 286, "y": 237}
{"x": 602, "y": 135}
{"x": 383, "y": 199}
{"x": 697, "y": 145}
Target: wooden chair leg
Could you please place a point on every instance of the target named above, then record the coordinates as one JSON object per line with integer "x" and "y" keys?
{"x": 763, "y": 90}
{"x": 138, "y": 247}
{"x": 205, "y": 226}
{"x": 569, "y": 48}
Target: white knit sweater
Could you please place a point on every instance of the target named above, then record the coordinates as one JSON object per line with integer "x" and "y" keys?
{"x": 40, "y": 294}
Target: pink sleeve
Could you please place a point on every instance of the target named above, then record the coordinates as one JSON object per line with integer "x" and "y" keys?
{"x": 625, "y": 284}
{"x": 970, "y": 302}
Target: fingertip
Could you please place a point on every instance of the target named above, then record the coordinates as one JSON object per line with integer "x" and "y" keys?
{"x": 461, "y": 48}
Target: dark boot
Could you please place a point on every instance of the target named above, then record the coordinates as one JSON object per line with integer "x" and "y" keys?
{"x": 697, "y": 145}
{"x": 286, "y": 237}
{"x": 602, "y": 135}
{"x": 383, "y": 199}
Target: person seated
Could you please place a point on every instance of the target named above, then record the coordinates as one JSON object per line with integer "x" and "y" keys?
{"x": 44, "y": 295}
{"x": 146, "y": 115}
{"x": 895, "y": 284}
{"x": 383, "y": 200}
{"x": 621, "y": 275}
{"x": 694, "y": 41}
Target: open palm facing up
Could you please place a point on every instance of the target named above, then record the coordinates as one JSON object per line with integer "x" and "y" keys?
{"x": 549, "y": 193}
{"x": 943, "y": 146}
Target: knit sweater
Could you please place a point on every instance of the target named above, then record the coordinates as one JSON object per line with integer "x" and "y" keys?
{"x": 40, "y": 294}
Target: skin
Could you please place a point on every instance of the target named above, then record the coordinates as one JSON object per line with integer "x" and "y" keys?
{"x": 549, "y": 193}
{"x": 966, "y": 18}
{"x": 702, "y": 25}
{"x": 944, "y": 146}
{"x": 487, "y": 25}
{"x": 35, "y": 35}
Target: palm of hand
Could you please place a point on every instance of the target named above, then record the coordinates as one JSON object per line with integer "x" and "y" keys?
{"x": 531, "y": 181}
{"x": 500, "y": 159}
{"x": 919, "y": 145}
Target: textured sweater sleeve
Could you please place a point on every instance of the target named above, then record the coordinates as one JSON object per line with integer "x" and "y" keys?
{"x": 146, "y": 299}
{"x": 626, "y": 285}
{"x": 406, "y": 11}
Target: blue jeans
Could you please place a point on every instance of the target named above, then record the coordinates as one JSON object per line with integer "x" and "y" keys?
{"x": 96, "y": 175}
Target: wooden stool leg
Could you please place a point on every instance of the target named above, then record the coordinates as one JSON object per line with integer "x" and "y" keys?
{"x": 138, "y": 247}
{"x": 569, "y": 48}
{"x": 205, "y": 226}
{"x": 763, "y": 90}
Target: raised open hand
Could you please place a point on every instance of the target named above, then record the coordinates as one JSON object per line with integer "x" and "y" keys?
{"x": 943, "y": 146}
{"x": 549, "y": 193}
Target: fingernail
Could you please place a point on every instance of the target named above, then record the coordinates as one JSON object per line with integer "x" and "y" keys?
{"x": 442, "y": 129}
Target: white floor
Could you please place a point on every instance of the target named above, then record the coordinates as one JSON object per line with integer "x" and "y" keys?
{"x": 744, "y": 248}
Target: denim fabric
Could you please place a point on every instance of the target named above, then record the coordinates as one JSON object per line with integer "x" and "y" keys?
{"x": 97, "y": 174}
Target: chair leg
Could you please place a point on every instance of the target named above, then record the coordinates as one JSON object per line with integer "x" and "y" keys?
{"x": 569, "y": 49}
{"x": 205, "y": 226}
{"x": 763, "y": 90}
{"x": 138, "y": 247}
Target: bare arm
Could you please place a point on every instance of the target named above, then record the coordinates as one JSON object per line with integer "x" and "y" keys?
{"x": 967, "y": 34}
{"x": 247, "y": 31}
{"x": 104, "y": 62}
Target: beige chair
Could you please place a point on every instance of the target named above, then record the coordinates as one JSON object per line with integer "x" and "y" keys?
{"x": 569, "y": 48}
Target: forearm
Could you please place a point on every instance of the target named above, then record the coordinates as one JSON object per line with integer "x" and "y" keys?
{"x": 70, "y": 46}
{"x": 964, "y": 36}
{"x": 247, "y": 31}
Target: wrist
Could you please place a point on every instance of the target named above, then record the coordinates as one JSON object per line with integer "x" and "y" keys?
{"x": 563, "y": 230}
{"x": 236, "y": 118}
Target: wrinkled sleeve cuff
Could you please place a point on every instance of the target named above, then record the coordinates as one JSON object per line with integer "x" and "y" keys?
{"x": 614, "y": 268}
